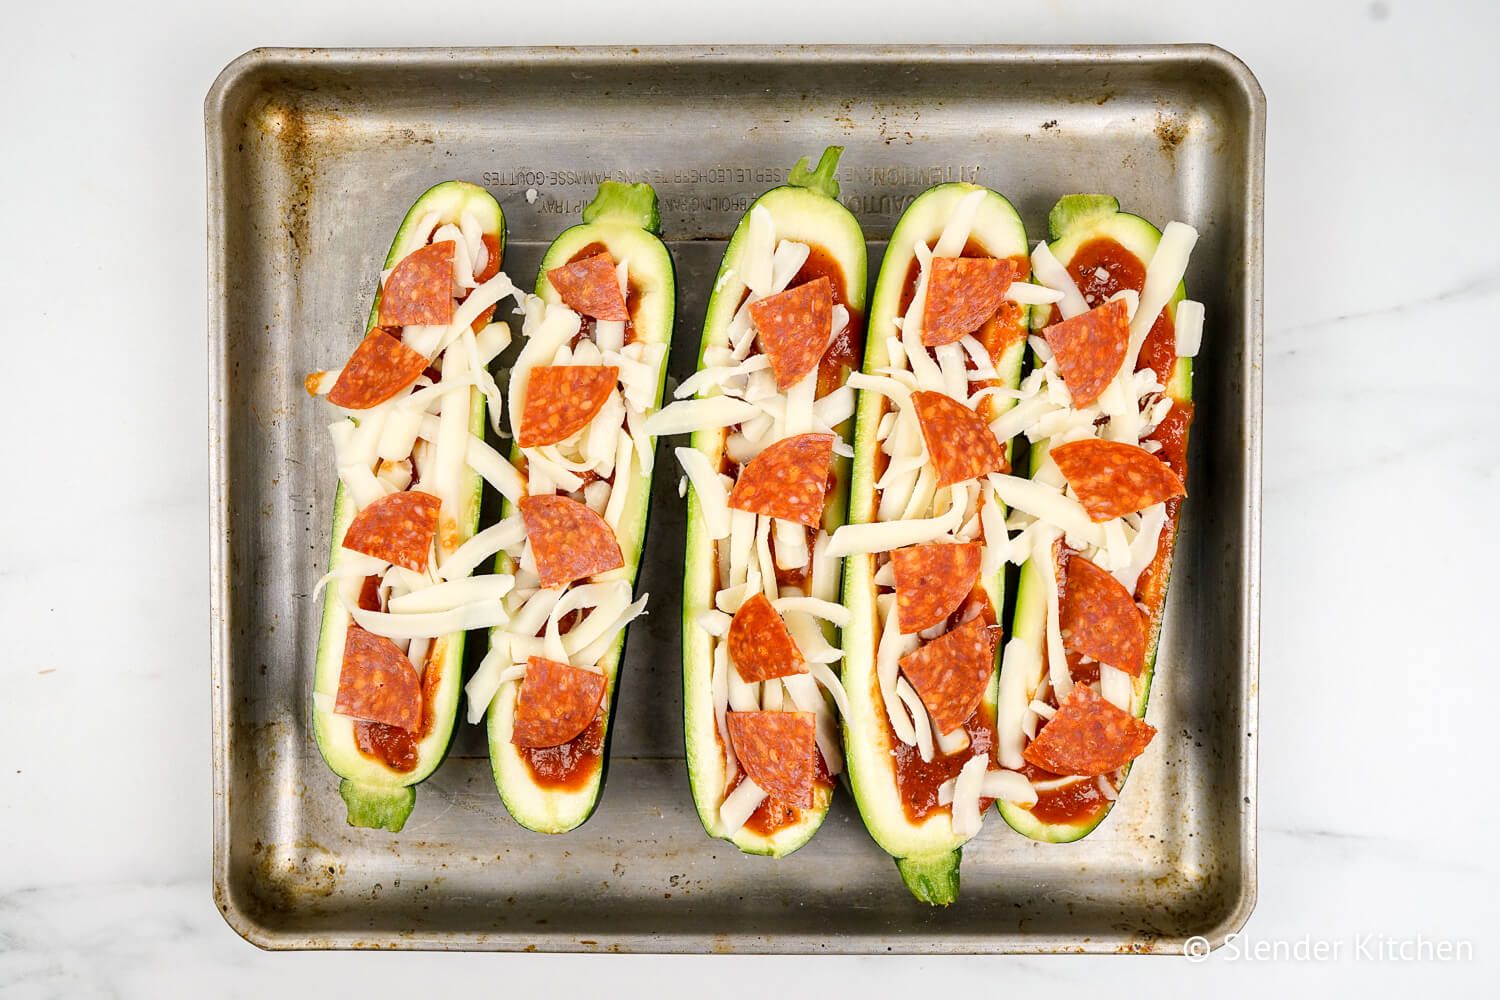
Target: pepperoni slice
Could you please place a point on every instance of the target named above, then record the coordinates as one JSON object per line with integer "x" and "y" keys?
{"x": 590, "y": 287}
{"x": 963, "y": 292}
{"x": 377, "y": 683}
{"x": 1088, "y": 736}
{"x": 788, "y": 480}
{"x": 1099, "y": 618}
{"x": 776, "y": 749}
{"x": 959, "y": 442}
{"x": 1090, "y": 348}
{"x": 397, "y": 528}
{"x": 556, "y": 702}
{"x": 420, "y": 288}
{"x": 380, "y": 367}
{"x": 1113, "y": 479}
{"x": 951, "y": 672}
{"x": 932, "y": 581}
{"x": 569, "y": 540}
{"x": 794, "y": 327}
{"x": 562, "y": 399}
{"x": 760, "y": 645}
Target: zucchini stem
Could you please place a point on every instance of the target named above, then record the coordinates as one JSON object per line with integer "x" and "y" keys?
{"x": 821, "y": 179}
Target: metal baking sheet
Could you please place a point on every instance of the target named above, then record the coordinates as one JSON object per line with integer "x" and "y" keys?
{"x": 313, "y": 156}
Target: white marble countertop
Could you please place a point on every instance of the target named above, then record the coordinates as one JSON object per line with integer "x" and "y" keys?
{"x": 1382, "y": 281}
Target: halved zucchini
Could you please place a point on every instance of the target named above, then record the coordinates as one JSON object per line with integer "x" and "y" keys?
{"x": 1076, "y": 222}
{"x": 927, "y": 850}
{"x": 377, "y": 794}
{"x": 804, "y": 210}
{"x": 623, "y": 219}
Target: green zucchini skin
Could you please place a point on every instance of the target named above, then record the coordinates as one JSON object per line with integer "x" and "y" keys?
{"x": 805, "y": 209}
{"x": 934, "y": 879}
{"x": 624, "y": 218}
{"x": 375, "y": 795}
{"x": 1074, "y": 221}
{"x": 928, "y": 853}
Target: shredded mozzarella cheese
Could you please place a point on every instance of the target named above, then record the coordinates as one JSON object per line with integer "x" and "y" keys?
{"x": 1050, "y": 272}
{"x": 739, "y": 805}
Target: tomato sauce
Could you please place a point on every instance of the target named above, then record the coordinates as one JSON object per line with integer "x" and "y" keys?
{"x": 1082, "y": 673}
{"x": 1172, "y": 434}
{"x": 633, "y": 294}
{"x": 1072, "y": 803}
{"x": 918, "y": 780}
{"x": 1123, "y": 269}
{"x": 843, "y": 355}
{"x": 490, "y": 269}
{"x": 394, "y": 747}
{"x": 1151, "y": 588}
{"x": 773, "y": 815}
{"x": 1003, "y": 330}
{"x": 569, "y": 765}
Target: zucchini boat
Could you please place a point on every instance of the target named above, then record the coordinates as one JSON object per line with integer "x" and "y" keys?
{"x": 767, "y": 477}
{"x": 596, "y": 337}
{"x": 926, "y": 546}
{"x": 1107, "y": 409}
{"x": 413, "y": 396}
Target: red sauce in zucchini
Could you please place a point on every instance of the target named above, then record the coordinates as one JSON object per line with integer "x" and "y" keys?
{"x": 398, "y": 748}
{"x": 1123, "y": 269}
{"x": 1082, "y": 800}
{"x": 918, "y": 780}
{"x": 1074, "y": 803}
{"x": 569, "y": 765}
{"x": 773, "y": 815}
{"x": 843, "y": 355}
